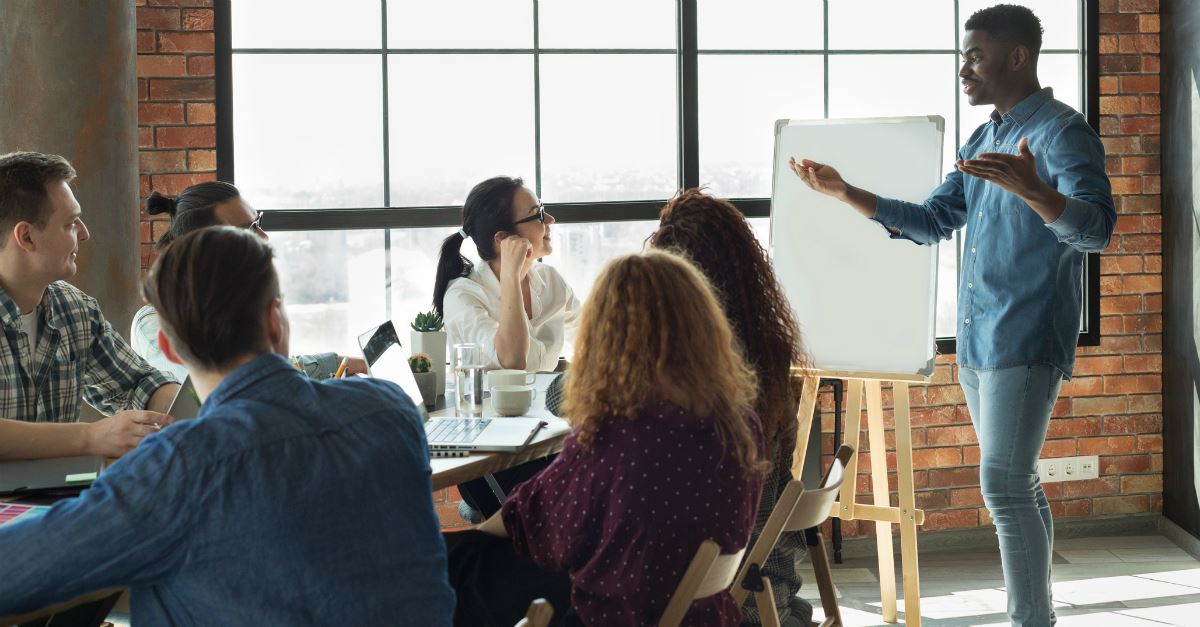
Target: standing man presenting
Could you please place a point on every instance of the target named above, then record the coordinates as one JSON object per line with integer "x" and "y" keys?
{"x": 56, "y": 348}
{"x": 1031, "y": 190}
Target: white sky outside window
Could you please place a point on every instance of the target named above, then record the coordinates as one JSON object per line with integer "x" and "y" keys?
{"x": 309, "y": 130}
{"x": 607, "y": 24}
{"x": 609, "y": 129}
{"x": 891, "y": 25}
{"x": 760, "y": 24}
{"x": 456, "y": 120}
{"x": 737, "y": 136}
{"x": 459, "y": 24}
{"x": 305, "y": 24}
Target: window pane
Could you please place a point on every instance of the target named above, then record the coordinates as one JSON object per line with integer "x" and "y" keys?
{"x": 333, "y": 287}
{"x": 737, "y": 133}
{"x": 309, "y": 130}
{"x": 414, "y": 260}
{"x": 1062, "y": 72}
{"x": 916, "y": 84}
{"x": 889, "y": 25}
{"x": 460, "y": 24}
{"x": 456, "y": 120}
{"x": 609, "y": 129}
{"x": 947, "y": 289}
{"x": 305, "y": 24}
{"x": 1060, "y": 19}
{"x": 761, "y": 24}
{"x": 582, "y": 249}
{"x": 609, "y": 24}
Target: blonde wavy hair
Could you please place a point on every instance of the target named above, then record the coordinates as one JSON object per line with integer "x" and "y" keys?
{"x": 652, "y": 330}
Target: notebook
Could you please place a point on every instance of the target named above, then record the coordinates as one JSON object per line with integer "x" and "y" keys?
{"x": 12, "y": 512}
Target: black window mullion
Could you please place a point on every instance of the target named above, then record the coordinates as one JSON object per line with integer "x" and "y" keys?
{"x": 537, "y": 101}
{"x": 689, "y": 94}
{"x": 387, "y": 170}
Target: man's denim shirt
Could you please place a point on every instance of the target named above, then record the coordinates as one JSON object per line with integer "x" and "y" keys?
{"x": 287, "y": 501}
{"x": 1020, "y": 291}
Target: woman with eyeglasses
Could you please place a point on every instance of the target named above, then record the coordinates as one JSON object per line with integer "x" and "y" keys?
{"x": 212, "y": 203}
{"x": 518, "y": 312}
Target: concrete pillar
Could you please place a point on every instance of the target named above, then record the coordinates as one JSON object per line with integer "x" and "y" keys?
{"x": 68, "y": 85}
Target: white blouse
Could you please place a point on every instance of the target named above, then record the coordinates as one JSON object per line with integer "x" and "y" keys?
{"x": 472, "y": 314}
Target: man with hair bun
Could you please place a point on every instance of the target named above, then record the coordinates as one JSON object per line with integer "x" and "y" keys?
{"x": 1031, "y": 191}
{"x": 57, "y": 349}
{"x": 286, "y": 501}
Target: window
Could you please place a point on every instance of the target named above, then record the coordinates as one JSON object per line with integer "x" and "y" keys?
{"x": 361, "y": 125}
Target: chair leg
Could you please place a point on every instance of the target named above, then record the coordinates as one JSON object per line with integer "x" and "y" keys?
{"x": 764, "y": 600}
{"x": 820, "y": 562}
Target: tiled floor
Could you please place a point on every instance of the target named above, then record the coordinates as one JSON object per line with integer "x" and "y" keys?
{"x": 1121, "y": 581}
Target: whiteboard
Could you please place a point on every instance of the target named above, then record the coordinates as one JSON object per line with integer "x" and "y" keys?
{"x": 865, "y": 302}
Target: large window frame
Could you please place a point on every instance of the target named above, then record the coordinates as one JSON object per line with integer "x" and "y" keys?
{"x": 687, "y": 56}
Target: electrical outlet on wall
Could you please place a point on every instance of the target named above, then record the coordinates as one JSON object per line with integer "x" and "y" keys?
{"x": 1068, "y": 468}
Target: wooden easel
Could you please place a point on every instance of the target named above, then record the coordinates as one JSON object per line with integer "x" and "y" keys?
{"x": 906, "y": 515}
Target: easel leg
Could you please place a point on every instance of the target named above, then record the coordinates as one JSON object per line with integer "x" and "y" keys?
{"x": 908, "y": 525}
{"x": 879, "y": 483}
{"x": 853, "y": 434}
{"x": 804, "y": 420}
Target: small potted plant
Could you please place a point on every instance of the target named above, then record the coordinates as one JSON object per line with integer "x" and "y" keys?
{"x": 428, "y": 337}
{"x": 426, "y": 380}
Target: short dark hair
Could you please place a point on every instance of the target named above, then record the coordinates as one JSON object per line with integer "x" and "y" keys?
{"x": 210, "y": 288}
{"x": 1012, "y": 23}
{"x": 194, "y": 208}
{"x": 24, "y": 181}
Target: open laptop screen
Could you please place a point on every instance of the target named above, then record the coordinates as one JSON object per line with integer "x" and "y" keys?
{"x": 388, "y": 360}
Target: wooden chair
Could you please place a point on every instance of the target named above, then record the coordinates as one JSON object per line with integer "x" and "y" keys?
{"x": 539, "y": 614}
{"x": 709, "y": 573}
{"x": 796, "y": 510}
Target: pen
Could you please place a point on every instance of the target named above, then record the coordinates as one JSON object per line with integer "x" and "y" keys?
{"x": 341, "y": 369}
{"x": 542, "y": 424}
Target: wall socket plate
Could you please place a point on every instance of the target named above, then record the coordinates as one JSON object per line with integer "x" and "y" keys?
{"x": 1069, "y": 468}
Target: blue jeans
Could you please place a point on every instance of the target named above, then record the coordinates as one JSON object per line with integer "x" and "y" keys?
{"x": 1010, "y": 408}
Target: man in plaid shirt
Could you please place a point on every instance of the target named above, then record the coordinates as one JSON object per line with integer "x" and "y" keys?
{"x": 57, "y": 348}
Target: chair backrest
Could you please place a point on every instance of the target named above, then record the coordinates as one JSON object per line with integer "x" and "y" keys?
{"x": 709, "y": 573}
{"x": 796, "y": 509}
{"x": 813, "y": 506}
{"x": 538, "y": 615}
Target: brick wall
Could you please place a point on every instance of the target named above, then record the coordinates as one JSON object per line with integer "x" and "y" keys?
{"x": 177, "y": 136}
{"x": 1113, "y": 408}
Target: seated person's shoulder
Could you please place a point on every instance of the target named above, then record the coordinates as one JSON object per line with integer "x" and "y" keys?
{"x": 368, "y": 395}
{"x": 63, "y": 294}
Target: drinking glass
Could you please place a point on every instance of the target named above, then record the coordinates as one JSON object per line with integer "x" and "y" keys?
{"x": 468, "y": 380}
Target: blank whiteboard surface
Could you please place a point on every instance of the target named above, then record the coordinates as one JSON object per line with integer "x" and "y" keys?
{"x": 865, "y": 302}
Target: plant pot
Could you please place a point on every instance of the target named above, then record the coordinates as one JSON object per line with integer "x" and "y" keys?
{"x": 427, "y": 383}
{"x": 432, "y": 343}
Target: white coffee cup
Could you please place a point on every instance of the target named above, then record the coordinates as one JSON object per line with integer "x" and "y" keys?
{"x": 510, "y": 377}
{"x": 512, "y": 400}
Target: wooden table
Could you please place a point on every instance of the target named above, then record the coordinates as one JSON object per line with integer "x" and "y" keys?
{"x": 455, "y": 470}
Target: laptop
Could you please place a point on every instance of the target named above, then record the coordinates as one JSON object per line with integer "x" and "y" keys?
{"x": 44, "y": 474}
{"x": 388, "y": 360}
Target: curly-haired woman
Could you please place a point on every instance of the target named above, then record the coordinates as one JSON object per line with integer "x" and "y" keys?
{"x": 665, "y": 452}
{"x": 715, "y": 236}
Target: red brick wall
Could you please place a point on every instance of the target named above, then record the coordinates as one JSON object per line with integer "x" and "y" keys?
{"x": 177, "y": 136}
{"x": 1113, "y": 408}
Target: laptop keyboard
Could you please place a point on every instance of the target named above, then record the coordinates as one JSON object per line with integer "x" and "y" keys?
{"x": 455, "y": 430}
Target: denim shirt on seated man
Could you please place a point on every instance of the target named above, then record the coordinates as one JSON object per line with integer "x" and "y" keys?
{"x": 1031, "y": 191}
{"x": 287, "y": 501}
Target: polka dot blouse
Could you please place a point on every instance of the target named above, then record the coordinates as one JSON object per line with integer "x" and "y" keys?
{"x": 625, "y": 517}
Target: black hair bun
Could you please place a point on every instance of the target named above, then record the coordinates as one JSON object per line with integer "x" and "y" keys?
{"x": 157, "y": 204}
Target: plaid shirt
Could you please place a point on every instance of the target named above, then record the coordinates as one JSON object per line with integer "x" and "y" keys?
{"x": 78, "y": 356}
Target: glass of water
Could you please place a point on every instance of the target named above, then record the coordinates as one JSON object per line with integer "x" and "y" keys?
{"x": 468, "y": 380}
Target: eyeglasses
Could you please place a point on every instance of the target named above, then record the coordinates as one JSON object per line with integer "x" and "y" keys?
{"x": 540, "y": 216}
{"x": 256, "y": 225}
